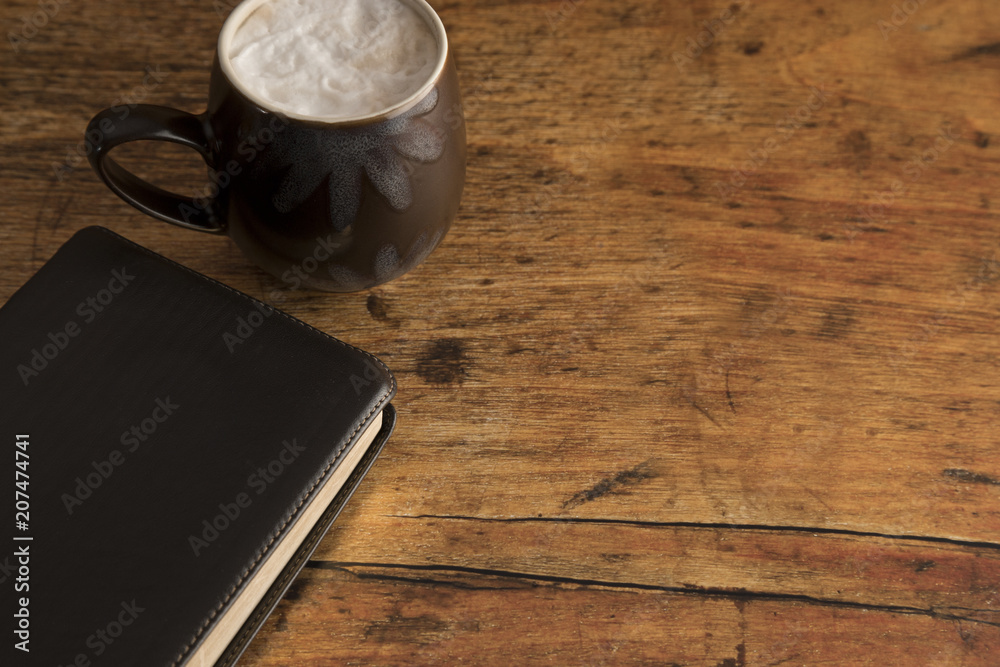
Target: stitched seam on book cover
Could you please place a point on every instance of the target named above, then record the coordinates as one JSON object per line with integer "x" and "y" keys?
{"x": 267, "y": 547}
{"x": 269, "y": 600}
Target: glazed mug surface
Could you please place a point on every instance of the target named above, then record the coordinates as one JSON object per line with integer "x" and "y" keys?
{"x": 337, "y": 205}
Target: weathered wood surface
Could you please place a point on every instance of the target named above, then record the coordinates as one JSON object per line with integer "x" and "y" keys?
{"x": 705, "y": 373}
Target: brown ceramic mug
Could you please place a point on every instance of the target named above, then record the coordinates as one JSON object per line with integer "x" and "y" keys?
{"x": 335, "y": 205}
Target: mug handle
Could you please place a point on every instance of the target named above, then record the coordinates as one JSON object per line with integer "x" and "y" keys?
{"x": 152, "y": 123}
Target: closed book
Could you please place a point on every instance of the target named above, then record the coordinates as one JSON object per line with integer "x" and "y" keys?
{"x": 174, "y": 451}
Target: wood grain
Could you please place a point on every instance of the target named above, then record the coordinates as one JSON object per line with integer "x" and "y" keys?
{"x": 706, "y": 371}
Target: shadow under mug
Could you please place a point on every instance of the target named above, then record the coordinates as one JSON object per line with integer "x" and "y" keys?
{"x": 337, "y": 205}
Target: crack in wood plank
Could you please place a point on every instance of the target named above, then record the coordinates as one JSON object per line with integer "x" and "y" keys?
{"x": 686, "y": 590}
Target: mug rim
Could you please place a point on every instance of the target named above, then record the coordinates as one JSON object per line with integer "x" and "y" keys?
{"x": 242, "y": 11}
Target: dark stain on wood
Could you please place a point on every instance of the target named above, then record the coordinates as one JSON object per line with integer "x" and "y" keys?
{"x": 981, "y": 50}
{"x": 858, "y": 142}
{"x": 752, "y": 48}
{"x": 859, "y": 146}
{"x": 294, "y": 593}
{"x": 377, "y": 307}
{"x": 615, "y": 558}
{"x": 970, "y": 477}
{"x": 837, "y": 322}
{"x": 443, "y": 362}
{"x": 627, "y": 16}
{"x": 636, "y": 475}
{"x": 739, "y": 661}
{"x": 421, "y": 629}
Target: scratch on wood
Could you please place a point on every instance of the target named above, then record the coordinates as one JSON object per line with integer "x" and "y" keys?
{"x": 729, "y": 396}
{"x": 816, "y": 496}
{"x": 426, "y": 581}
{"x": 608, "y": 485}
{"x": 705, "y": 412}
{"x": 714, "y": 526}
{"x": 61, "y": 213}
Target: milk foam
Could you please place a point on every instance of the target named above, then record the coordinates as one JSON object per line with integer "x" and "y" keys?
{"x": 334, "y": 58}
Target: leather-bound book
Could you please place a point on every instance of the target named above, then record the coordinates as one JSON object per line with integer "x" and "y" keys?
{"x": 173, "y": 452}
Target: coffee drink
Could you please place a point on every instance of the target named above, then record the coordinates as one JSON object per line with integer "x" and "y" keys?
{"x": 334, "y": 59}
{"x": 334, "y": 138}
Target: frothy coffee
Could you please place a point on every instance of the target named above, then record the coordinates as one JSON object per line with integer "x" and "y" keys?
{"x": 334, "y": 58}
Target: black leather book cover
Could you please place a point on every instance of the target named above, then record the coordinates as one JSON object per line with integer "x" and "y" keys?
{"x": 161, "y": 433}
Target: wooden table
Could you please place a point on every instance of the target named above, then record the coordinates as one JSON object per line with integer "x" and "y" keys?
{"x": 706, "y": 372}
